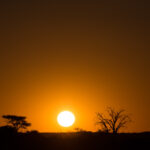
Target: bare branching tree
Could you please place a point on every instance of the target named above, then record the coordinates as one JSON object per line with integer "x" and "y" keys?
{"x": 114, "y": 122}
{"x": 16, "y": 122}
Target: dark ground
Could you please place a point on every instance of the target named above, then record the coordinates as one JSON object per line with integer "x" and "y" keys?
{"x": 74, "y": 141}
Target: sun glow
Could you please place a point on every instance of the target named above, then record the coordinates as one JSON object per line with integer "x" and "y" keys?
{"x": 66, "y": 118}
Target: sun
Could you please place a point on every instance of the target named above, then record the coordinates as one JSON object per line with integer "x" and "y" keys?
{"x": 66, "y": 118}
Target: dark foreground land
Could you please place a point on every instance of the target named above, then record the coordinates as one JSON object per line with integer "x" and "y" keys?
{"x": 74, "y": 141}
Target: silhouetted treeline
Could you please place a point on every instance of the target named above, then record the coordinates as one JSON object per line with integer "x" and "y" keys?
{"x": 115, "y": 120}
{"x": 12, "y": 138}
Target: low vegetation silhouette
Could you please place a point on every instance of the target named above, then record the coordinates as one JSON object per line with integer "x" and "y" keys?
{"x": 114, "y": 121}
{"x": 12, "y": 137}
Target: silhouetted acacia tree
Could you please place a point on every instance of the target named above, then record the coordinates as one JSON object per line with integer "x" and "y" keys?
{"x": 16, "y": 122}
{"x": 115, "y": 120}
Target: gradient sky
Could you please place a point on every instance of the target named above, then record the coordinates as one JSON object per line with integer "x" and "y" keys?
{"x": 75, "y": 55}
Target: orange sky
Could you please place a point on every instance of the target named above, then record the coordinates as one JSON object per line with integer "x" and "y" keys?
{"x": 77, "y": 56}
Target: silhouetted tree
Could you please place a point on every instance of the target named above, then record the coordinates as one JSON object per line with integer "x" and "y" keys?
{"x": 115, "y": 120}
{"x": 6, "y": 130}
{"x": 16, "y": 122}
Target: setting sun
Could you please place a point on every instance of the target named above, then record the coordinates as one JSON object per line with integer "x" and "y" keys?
{"x": 66, "y": 118}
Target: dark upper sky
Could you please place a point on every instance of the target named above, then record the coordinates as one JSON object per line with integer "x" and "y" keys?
{"x": 81, "y": 54}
